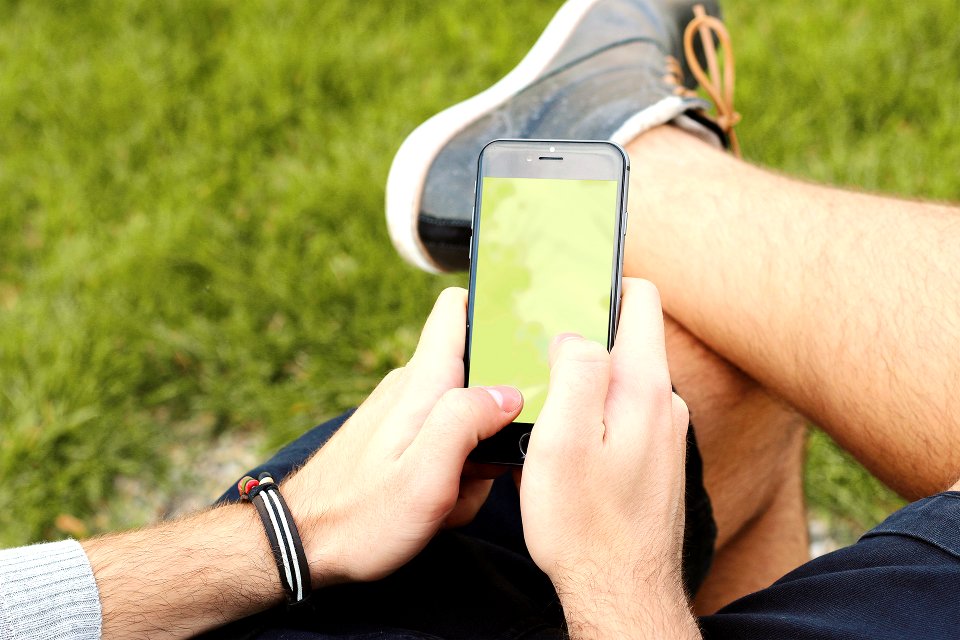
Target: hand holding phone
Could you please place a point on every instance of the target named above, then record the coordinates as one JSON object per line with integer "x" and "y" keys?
{"x": 603, "y": 488}
{"x": 546, "y": 258}
{"x": 394, "y": 474}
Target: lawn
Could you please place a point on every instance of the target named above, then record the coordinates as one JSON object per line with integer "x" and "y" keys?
{"x": 192, "y": 245}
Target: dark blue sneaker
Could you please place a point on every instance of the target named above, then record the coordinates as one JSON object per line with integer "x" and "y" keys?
{"x": 601, "y": 70}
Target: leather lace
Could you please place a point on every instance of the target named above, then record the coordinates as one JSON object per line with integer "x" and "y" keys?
{"x": 717, "y": 82}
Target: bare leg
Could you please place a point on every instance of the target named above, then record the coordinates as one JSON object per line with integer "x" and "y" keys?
{"x": 752, "y": 449}
{"x": 843, "y": 304}
{"x": 711, "y": 232}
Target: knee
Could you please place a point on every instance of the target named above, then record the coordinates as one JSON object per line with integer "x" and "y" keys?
{"x": 752, "y": 444}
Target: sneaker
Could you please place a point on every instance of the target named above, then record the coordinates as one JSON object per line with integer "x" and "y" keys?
{"x": 601, "y": 70}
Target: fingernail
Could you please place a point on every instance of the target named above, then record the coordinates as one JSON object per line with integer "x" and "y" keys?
{"x": 566, "y": 336}
{"x": 507, "y": 398}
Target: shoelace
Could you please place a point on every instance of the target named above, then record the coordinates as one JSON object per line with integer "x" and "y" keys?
{"x": 721, "y": 91}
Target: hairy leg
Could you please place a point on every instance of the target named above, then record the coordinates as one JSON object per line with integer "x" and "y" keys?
{"x": 752, "y": 447}
{"x": 843, "y": 304}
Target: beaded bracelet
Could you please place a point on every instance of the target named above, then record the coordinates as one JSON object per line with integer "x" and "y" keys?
{"x": 281, "y": 532}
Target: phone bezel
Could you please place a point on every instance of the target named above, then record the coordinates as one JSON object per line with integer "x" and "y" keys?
{"x": 508, "y": 158}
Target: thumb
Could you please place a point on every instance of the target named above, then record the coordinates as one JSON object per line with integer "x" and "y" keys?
{"x": 459, "y": 420}
{"x": 574, "y": 409}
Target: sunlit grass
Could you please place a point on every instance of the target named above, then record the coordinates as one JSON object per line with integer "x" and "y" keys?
{"x": 191, "y": 228}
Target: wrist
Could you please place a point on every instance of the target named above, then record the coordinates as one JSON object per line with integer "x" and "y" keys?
{"x": 604, "y": 604}
{"x": 241, "y": 526}
{"x": 282, "y": 533}
{"x": 315, "y": 520}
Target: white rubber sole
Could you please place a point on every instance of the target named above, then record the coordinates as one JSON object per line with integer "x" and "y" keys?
{"x": 408, "y": 172}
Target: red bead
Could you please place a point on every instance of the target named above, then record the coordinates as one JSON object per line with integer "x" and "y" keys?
{"x": 245, "y": 485}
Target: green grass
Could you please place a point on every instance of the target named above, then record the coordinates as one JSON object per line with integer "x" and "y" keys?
{"x": 191, "y": 229}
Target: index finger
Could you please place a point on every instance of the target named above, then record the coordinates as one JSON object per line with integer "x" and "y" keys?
{"x": 444, "y": 334}
{"x": 638, "y": 372}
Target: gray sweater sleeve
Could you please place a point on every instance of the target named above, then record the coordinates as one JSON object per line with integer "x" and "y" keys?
{"x": 48, "y": 591}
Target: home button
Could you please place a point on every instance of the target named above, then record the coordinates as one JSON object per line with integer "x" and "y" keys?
{"x": 524, "y": 441}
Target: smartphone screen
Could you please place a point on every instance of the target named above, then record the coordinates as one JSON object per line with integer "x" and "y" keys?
{"x": 546, "y": 259}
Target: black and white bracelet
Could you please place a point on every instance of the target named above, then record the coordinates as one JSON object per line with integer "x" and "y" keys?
{"x": 282, "y": 533}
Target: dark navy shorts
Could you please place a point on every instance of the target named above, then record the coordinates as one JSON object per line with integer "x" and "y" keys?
{"x": 479, "y": 582}
{"x": 901, "y": 580}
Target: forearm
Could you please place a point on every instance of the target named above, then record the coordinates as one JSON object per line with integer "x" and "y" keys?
{"x": 596, "y": 608}
{"x": 184, "y": 577}
{"x": 843, "y": 303}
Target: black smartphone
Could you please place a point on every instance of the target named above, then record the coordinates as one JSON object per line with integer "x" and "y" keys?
{"x": 546, "y": 257}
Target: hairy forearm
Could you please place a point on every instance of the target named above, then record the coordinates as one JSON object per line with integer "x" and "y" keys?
{"x": 601, "y": 607}
{"x": 609, "y": 621}
{"x": 843, "y": 303}
{"x": 184, "y": 577}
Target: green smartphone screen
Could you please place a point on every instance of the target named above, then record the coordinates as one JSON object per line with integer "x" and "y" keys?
{"x": 544, "y": 266}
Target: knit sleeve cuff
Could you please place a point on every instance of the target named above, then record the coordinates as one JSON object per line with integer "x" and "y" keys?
{"x": 48, "y": 591}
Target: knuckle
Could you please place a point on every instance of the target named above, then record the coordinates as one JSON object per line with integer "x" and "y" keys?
{"x": 651, "y": 383}
{"x": 681, "y": 420}
{"x": 681, "y": 411}
{"x": 646, "y": 290}
{"x": 395, "y": 375}
{"x": 393, "y": 379}
{"x": 459, "y": 406}
{"x": 581, "y": 362}
{"x": 658, "y": 382}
